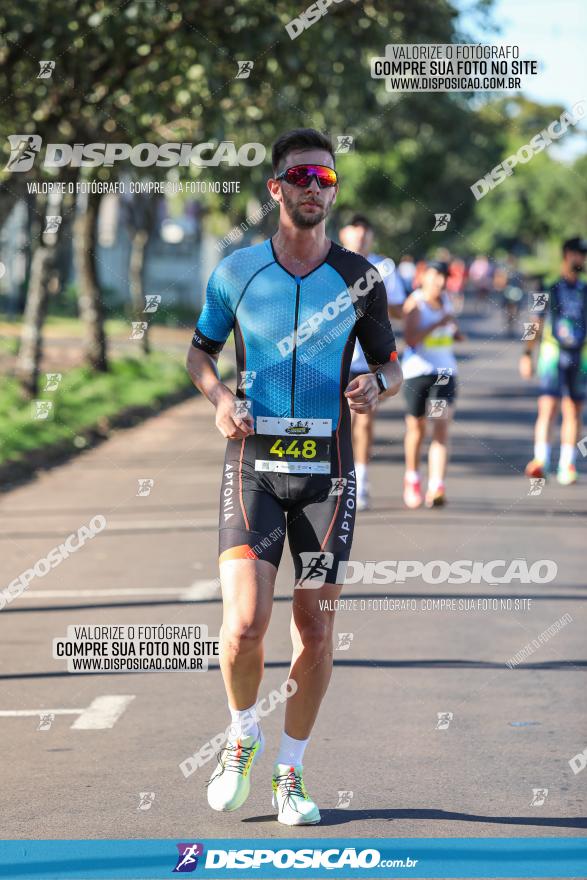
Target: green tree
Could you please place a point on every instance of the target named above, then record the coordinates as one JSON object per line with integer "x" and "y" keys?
{"x": 543, "y": 201}
{"x": 150, "y": 71}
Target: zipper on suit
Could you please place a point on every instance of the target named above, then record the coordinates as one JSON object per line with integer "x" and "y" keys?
{"x": 298, "y": 281}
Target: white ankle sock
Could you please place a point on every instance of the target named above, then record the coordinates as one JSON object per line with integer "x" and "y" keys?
{"x": 291, "y": 751}
{"x": 244, "y": 723}
{"x": 434, "y": 485}
{"x": 542, "y": 453}
{"x": 567, "y": 455}
{"x": 412, "y": 476}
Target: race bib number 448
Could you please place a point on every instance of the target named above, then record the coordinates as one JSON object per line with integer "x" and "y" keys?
{"x": 293, "y": 446}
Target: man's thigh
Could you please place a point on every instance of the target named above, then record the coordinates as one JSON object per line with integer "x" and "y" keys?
{"x": 320, "y": 533}
{"x": 247, "y": 594}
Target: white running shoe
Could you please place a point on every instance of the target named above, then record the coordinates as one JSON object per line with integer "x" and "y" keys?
{"x": 363, "y": 499}
{"x": 566, "y": 474}
{"x": 291, "y": 800}
{"x": 230, "y": 784}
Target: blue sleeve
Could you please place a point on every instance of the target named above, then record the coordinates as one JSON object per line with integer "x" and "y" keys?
{"x": 217, "y": 317}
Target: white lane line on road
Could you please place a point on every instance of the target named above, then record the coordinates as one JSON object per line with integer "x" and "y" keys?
{"x": 201, "y": 590}
{"x": 153, "y": 524}
{"x": 101, "y": 714}
{"x": 123, "y": 591}
{"x": 27, "y": 713}
{"x": 198, "y": 590}
{"x": 179, "y": 525}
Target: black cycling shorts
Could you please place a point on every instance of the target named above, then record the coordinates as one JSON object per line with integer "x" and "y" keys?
{"x": 317, "y": 511}
{"x": 565, "y": 376}
{"x": 421, "y": 389}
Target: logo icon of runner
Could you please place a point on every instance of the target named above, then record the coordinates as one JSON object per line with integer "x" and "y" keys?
{"x": 315, "y": 567}
{"x": 441, "y": 222}
{"x": 188, "y": 857}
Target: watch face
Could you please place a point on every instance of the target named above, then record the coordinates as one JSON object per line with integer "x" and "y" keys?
{"x": 381, "y": 381}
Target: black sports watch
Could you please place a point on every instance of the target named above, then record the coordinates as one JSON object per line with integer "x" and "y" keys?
{"x": 381, "y": 382}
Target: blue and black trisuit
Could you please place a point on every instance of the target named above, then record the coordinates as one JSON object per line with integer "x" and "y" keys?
{"x": 294, "y": 339}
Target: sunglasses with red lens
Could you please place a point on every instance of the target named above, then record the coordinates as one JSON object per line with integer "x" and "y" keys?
{"x": 301, "y": 175}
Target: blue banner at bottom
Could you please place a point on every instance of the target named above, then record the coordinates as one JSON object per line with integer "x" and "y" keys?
{"x": 386, "y": 858}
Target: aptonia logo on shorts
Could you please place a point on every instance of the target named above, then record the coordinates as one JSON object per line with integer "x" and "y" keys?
{"x": 299, "y": 428}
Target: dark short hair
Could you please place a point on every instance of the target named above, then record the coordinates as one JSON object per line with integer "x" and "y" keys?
{"x": 575, "y": 244}
{"x": 361, "y": 220}
{"x": 299, "y": 139}
{"x": 440, "y": 266}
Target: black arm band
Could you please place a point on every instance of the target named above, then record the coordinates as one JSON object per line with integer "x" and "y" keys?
{"x": 210, "y": 346}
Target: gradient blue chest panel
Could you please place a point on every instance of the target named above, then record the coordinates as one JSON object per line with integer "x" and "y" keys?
{"x": 293, "y": 335}
{"x": 295, "y": 375}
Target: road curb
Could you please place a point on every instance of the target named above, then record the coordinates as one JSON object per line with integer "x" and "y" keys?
{"x": 15, "y": 473}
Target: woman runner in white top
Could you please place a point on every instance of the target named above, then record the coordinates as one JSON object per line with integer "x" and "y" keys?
{"x": 429, "y": 367}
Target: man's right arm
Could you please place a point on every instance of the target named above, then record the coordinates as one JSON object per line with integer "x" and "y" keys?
{"x": 213, "y": 329}
{"x": 526, "y": 365}
{"x": 203, "y": 371}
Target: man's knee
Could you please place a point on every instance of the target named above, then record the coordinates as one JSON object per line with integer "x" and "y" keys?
{"x": 571, "y": 408}
{"x": 316, "y": 635}
{"x": 241, "y": 637}
{"x": 548, "y": 407}
{"x": 416, "y": 426}
{"x": 440, "y": 432}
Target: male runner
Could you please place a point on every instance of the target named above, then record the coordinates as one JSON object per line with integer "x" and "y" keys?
{"x": 562, "y": 365}
{"x": 296, "y": 303}
{"x": 357, "y": 236}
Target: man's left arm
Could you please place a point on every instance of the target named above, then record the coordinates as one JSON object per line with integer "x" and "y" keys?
{"x": 393, "y": 377}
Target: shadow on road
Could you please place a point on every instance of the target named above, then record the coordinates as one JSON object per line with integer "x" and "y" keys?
{"x": 152, "y": 603}
{"x": 343, "y": 817}
{"x": 553, "y": 666}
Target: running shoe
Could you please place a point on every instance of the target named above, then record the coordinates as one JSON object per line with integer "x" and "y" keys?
{"x": 363, "y": 500}
{"x": 567, "y": 474}
{"x": 436, "y": 497}
{"x": 535, "y": 468}
{"x": 230, "y": 784}
{"x": 291, "y": 800}
{"x": 412, "y": 493}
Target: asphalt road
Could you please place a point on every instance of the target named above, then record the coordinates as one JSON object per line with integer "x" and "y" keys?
{"x": 512, "y": 730}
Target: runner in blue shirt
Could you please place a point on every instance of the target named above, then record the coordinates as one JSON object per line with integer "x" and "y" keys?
{"x": 562, "y": 364}
{"x": 296, "y": 304}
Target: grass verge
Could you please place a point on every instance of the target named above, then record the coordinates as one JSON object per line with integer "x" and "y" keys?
{"x": 85, "y": 407}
